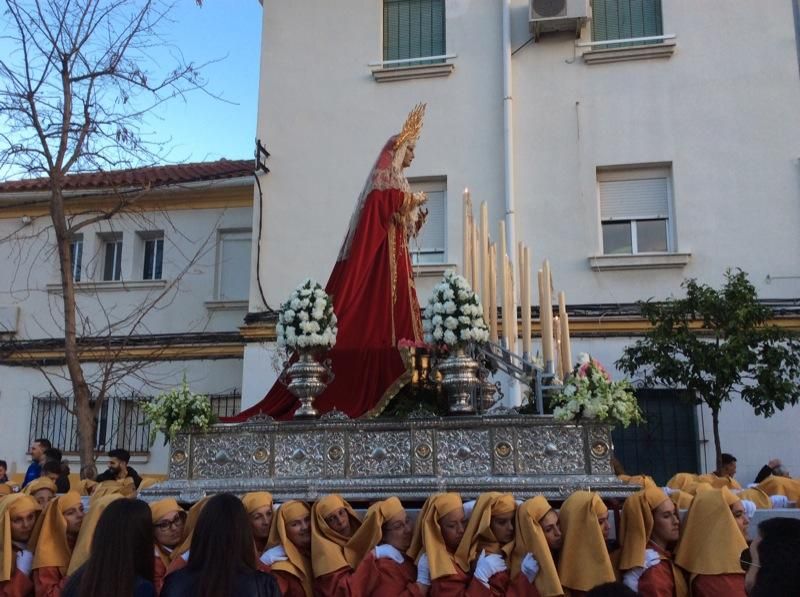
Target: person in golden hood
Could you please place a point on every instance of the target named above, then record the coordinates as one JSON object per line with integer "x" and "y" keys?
{"x": 650, "y": 530}
{"x": 53, "y": 541}
{"x": 18, "y": 514}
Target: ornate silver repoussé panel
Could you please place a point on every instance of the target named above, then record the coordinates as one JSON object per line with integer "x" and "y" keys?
{"x": 367, "y": 459}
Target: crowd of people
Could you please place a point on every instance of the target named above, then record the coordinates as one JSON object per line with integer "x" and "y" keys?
{"x": 111, "y": 544}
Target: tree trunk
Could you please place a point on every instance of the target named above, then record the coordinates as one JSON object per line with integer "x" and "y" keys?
{"x": 80, "y": 389}
{"x": 717, "y": 444}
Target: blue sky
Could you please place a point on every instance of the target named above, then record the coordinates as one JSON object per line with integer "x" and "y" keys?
{"x": 203, "y": 128}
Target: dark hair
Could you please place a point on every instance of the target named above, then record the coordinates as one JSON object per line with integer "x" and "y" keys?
{"x": 222, "y": 546}
{"x": 120, "y": 454}
{"x": 779, "y": 558}
{"x": 611, "y": 589}
{"x": 53, "y": 454}
{"x": 45, "y": 443}
{"x": 3, "y": 464}
{"x": 52, "y": 466}
{"x": 122, "y": 549}
{"x": 725, "y": 459}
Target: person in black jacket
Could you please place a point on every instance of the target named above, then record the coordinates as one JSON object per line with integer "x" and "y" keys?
{"x": 222, "y": 559}
{"x": 773, "y": 467}
{"x": 121, "y": 560}
{"x": 118, "y": 468}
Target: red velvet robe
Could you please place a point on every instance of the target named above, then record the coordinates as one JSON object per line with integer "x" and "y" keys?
{"x": 376, "y": 306}
{"x": 718, "y": 585}
{"x": 48, "y": 581}
{"x": 374, "y": 577}
{"x": 18, "y": 586}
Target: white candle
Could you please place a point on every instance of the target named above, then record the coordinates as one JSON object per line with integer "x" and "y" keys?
{"x": 466, "y": 262}
{"x": 546, "y": 318}
{"x": 526, "y": 302}
{"x": 484, "y": 290}
{"x": 493, "y": 293}
{"x": 566, "y": 345}
{"x": 476, "y": 268}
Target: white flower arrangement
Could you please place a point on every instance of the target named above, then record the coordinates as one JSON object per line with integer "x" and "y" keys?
{"x": 178, "y": 410}
{"x": 453, "y": 316}
{"x": 306, "y": 321}
{"x": 590, "y": 394}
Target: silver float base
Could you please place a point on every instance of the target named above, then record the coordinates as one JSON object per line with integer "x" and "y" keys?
{"x": 368, "y": 459}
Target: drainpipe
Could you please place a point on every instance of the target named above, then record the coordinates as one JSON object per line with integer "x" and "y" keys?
{"x": 515, "y": 394}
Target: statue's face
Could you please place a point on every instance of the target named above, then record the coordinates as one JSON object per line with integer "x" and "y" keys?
{"x": 409, "y": 157}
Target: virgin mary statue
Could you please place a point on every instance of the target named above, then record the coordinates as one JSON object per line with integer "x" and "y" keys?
{"x": 373, "y": 291}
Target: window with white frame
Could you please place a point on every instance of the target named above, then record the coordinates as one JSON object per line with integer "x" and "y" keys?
{"x": 635, "y": 208}
{"x": 413, "y": 29}
{"x": 76, "y": 256}
{"x": 153, "y": 255}
{"x": 429, "y": 245}
{"x": 233, "y": 265}
{"x": 112, "y": 258}
{"x": 626, "y": 19}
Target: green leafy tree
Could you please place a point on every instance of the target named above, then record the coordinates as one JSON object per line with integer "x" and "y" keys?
{"x": 718, "y": 344}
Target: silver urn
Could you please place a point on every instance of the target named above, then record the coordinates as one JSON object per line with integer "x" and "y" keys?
{"x": 306, "y": 379}
{"x": 459, "y": 380}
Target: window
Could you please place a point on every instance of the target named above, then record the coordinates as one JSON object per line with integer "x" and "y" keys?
{"x": 634, "y": 210}
{"x": 626, "y": 19}
{"x": 429, "y": 246}
{"x": 76, "y": 256}
{"x": 153, "y": 258}
{"x": 112, "y": 261}
{"x": 413, "y": 29}
{"x": 233, "y": 265}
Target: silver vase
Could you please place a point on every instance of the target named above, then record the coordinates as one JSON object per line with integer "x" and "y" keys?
{"x": 307, "y": 379}
{"x": 459, "y": 380}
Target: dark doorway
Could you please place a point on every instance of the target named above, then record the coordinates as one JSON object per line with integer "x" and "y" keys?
{"x": 667, "y": 443}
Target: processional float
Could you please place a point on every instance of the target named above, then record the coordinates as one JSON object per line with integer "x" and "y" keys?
{"x": 454, "y": 435}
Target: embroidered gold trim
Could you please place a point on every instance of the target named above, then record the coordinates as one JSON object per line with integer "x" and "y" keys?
{"x": 393, "y": 273}
{"x": 392, "y": 390}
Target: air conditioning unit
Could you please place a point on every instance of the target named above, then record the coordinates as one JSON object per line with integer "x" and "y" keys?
{"x": 547, "y": 16}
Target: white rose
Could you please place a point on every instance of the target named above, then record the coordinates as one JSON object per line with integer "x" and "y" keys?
{"x": 437, "y": 334}
{"x": 466, "y": 335}
{"x": 303, "y": 316}
{"x": 449, "y": 307}
{"x": 449, "y": 337}
{"x": 451, "y": 323}
{"x": 295, "y": 304}
{"x": 288, "y": 316}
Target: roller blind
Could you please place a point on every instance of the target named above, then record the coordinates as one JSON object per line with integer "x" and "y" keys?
{"x": 638, "y": 199}
{"x": 624, "y": 19}
{"x": 413, "y": 29}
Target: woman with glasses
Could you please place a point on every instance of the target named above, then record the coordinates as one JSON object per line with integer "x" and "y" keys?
{"x": 378, "y": 553}
{"x": 168, "y": 531}
{"x": 120, "y": 563}
{"x": 712, "y": 541}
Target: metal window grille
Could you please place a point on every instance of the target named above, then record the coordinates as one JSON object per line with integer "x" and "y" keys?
{"x": 226, "y": 405}
{"x": 120, "y": 423}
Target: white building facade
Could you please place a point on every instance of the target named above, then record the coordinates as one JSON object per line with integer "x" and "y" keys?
{"x": 630, "y": 166}
{"x": 162, "y": 288}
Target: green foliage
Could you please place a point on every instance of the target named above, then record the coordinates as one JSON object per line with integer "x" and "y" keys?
{"x": 734, "y": 351}
{"x": 178, "y": 410}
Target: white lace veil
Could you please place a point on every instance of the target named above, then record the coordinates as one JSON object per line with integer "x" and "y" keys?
{"x": 386, "y": 173}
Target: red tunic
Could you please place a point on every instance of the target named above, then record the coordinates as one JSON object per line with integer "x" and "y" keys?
{"x": 376, "y": 306}
{"x": 657, "y": 581}
{"x": 48, "y": 581}
{"x": 461, "y": 583}
{"x": 520, "y": 587}
{"x": 289, "y": 584}
{"x": 384, "y": 576}
{"x": 18, "y": 586}
{"x": 177, "y": 564}
{"x": 718, "y": 585}
{"x": 159, "y": 574}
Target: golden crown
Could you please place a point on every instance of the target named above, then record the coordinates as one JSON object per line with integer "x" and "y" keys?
{"x": 411, "y": 127}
